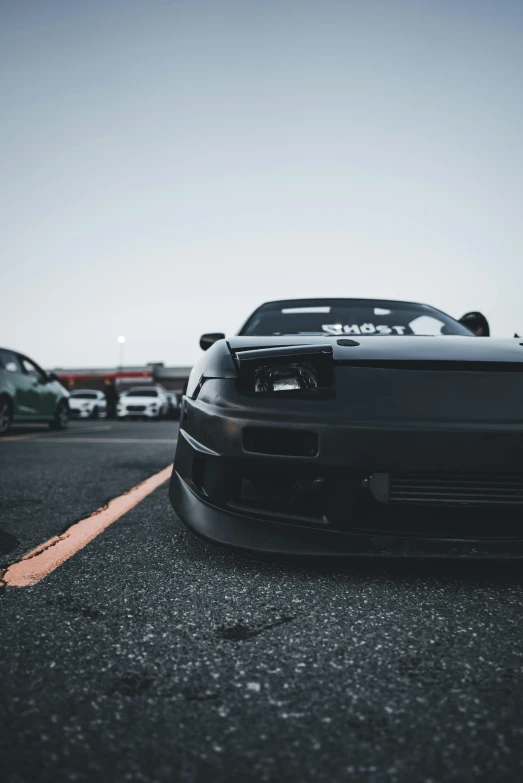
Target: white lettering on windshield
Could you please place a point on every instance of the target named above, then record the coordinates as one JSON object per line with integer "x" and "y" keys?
{"x": 367, "y": 328}
{"x": 332, "y": 328}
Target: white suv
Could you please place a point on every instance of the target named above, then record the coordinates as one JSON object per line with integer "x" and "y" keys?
{"x": 148, "y": 402}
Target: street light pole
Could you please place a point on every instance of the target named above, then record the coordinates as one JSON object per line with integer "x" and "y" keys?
{"x": 121, "y": 341}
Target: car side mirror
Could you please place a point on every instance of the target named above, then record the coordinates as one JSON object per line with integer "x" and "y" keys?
{"x": 206, "y": 340}
{"x": 51, "y": 376}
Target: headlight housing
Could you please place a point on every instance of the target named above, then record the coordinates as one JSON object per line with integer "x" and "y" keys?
{"x": 285, "y": 377}
{"x": 294, "y": 370}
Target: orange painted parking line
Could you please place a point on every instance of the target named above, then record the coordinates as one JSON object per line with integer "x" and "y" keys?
{"x": 39, "y": 562}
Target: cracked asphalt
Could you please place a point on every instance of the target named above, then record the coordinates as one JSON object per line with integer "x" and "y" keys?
{"x": 154, "y": 656}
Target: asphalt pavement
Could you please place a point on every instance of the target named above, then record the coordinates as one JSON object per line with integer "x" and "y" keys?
{"x": 151, "y": 655}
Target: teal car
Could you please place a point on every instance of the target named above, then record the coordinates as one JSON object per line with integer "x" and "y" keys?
{"x": 28, "y": 394}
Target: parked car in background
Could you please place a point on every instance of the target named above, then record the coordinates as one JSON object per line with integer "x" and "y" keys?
{"x": 87, "y": 404}
{"x": 147, "y": 402}
{"x": 173, "y": 411}
{"x": 29, "y": 394}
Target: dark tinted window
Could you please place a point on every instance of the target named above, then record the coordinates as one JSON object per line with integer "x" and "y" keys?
{"x": 31, "y": 369}
{"x": 9, "y": 361}
{"x": 84, "y": 395}
{"x": 142, "y": 393}
{"x": 351, "y": 317}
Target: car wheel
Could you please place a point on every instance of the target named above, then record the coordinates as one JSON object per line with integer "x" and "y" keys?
{"x": 61, "y": 417}
{"x": 5, "y": 414}
{"x": 94, "y": 413}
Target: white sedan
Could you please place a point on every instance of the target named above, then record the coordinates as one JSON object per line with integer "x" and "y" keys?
{"x": 148, "y": 402}
{"x": 87, "y": 404}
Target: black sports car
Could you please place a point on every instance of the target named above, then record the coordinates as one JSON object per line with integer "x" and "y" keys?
{"x": 350, "y": 426}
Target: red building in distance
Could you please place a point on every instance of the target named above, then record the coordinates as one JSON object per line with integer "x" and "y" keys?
{"x": 171, "y": 378}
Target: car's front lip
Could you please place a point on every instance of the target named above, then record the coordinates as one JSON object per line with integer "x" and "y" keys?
{"x": 241, "y": 531}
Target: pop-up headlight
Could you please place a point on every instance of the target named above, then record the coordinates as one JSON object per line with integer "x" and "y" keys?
{"x": 287, "y": 370}
{"x": 285, "y": 377}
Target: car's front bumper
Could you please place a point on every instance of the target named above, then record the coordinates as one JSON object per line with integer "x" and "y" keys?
{"x": 126, "y": 414}
{"x": 239, "y": 530}
{"x": 348, "y": 455}
{"x": 76, "y": 413}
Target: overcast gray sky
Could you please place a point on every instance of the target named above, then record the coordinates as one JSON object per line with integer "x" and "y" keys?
{"x": 168, "y": 165}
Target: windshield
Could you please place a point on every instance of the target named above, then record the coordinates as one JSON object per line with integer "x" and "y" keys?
{"x": 142, "y": 393}
{"x": 84, "y": 395}
{"x": 351, "y": 317}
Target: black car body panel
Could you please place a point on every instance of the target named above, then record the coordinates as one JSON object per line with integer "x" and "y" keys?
{"x": 405, "y": 445}
{"x": 388, "y": 349}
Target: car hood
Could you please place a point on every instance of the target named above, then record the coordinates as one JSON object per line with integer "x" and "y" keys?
{"x": 403, "y": 349}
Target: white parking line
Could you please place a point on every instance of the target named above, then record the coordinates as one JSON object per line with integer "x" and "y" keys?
{"x": 109, "y": 440}
{"x": 96, "y": 428}
{"x": 43, "y": 434}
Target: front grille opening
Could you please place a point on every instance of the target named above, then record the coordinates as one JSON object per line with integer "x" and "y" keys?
{"x": 310, "y": 495}
{"x": 457, "y": 490}
{"x": 451, "y": 490}
{"x": 280, "y": 442}
{"x": 297, "y": 496}
{"x": 303, "y": 495}
{"x": 214, "y": 480}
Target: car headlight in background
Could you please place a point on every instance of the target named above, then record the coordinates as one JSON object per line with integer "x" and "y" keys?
{"x": 290, "y": 377}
